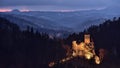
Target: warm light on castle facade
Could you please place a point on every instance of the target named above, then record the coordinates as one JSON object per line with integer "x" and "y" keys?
{"x": 83, "y": 49}
{"x": 87, "y": 38}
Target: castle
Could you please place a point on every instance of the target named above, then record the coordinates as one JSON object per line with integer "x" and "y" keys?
{"x": 85, "y": 49}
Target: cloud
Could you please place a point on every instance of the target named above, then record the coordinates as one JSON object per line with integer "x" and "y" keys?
{"x": 50, "y": 2}
{"x": 59, "y": 4}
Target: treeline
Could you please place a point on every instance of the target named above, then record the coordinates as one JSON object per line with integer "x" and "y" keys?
{"x": 27, "y": 48}
{"x": 105, "y": 35}
{"x": 31, "y": 49}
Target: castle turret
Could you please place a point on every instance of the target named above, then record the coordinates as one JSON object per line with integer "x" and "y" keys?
{"x": 87, "y": 38}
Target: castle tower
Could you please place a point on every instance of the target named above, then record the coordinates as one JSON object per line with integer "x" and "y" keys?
{"x": 87, "y": 38}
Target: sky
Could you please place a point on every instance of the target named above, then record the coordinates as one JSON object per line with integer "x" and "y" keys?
{"x": 56, "y": 5}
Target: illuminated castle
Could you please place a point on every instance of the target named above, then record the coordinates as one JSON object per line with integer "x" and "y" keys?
{"x": 83, "y": 49}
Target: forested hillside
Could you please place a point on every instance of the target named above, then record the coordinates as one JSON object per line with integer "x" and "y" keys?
{"x": 31, "y": 49}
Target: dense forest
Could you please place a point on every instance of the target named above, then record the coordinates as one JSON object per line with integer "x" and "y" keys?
{"x": 31, "y": 49}
{"x": 105, "y": 35}
{"x": 26, "y": 49}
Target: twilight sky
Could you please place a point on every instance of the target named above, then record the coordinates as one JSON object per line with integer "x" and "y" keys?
{"x": 58, "y": 5}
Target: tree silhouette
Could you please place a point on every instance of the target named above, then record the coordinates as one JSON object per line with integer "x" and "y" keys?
{"x": 31, "y": 49}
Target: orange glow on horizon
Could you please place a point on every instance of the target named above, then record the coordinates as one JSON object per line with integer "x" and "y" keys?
{"x": 9, "y": 10}
{"x": 5, "y": 10}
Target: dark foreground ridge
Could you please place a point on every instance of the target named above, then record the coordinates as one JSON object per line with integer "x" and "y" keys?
{"x": 31, "y": 49}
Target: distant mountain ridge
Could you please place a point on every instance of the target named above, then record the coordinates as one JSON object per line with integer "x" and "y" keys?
{"x": 38, "y": 24}
{"x": 76, "y": 20}
{"x": 60, "y": 22}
